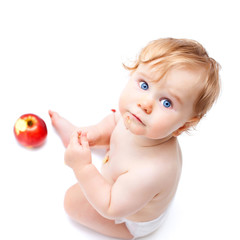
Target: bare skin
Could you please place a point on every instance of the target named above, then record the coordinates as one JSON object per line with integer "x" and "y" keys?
{"x": 75, "y": 202}
{"x": 141, "y": 176}
{"x": 63, "y": 127}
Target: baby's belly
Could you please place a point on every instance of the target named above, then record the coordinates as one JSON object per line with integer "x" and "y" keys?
{"x": 109, "y": 172}
{"x": 114, "y": 165}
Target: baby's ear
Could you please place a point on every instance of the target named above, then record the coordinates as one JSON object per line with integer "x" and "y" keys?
{"x": 191, "y": 123}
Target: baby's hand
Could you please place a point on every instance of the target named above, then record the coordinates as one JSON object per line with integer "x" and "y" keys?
{"x": 78, "y": 154}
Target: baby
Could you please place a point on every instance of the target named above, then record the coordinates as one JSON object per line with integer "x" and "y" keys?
{"x": 172, "y": 85}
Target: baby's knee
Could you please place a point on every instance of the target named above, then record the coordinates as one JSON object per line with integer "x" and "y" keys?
{"x": 67, "y": 201}
{"x": 72, "y": 200}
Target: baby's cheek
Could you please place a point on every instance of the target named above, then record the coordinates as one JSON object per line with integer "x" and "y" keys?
{"x": 122, "y": 104}
{"x": 160, "y": 130}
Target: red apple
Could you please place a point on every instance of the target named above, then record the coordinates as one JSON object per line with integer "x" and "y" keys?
{"x": 30, "y": 130}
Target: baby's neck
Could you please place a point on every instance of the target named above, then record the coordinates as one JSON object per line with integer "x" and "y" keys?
{"x": 142, "y": 141}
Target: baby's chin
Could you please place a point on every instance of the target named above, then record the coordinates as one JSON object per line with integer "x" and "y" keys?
{"x": 131, "y": 125}
{"x": 142, "y": 130}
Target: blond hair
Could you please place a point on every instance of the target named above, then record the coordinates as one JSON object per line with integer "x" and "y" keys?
{"x": 167, "y": 53}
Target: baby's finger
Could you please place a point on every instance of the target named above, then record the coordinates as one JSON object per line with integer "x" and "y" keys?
{"x": 84, "y": 140}
{"x": 75, "y": 137}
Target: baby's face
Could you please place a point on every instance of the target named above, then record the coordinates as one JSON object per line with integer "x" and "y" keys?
{"x": 156, "y": 109}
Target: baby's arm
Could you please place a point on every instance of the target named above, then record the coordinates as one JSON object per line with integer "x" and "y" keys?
{"x": 131, "y": 191}
{"x": 98, "y": 135}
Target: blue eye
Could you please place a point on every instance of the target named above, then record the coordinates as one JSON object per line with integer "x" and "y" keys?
{"x": 166, "y": 103}
{"x": 144, "y": 85}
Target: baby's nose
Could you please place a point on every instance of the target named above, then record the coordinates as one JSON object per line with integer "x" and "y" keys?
{"x": 146, "y": 106}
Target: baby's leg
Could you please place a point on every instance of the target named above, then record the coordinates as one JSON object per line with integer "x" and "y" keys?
{"x": 63, "y": 127}
{"x": 80, "y": 210}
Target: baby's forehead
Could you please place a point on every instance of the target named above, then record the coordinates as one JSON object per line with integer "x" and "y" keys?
{"x": 157, "y": 72}
{"x": 152, "y": 73}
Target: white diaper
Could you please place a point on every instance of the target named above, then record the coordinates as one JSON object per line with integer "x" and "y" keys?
{"x": 141, "y": 229}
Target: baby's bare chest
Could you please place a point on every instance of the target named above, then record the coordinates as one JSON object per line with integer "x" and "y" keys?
{"x": 120, "y": 158}
{"x": 124, "y": 156}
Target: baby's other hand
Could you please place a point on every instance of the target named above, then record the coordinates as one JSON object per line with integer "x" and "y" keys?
{"x": 92, "y": 135}
{"x": 78, "y": 154}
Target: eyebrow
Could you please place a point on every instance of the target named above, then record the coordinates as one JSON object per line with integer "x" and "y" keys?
{"x": 147, "y": 77}
{"x": 175, "y": 96}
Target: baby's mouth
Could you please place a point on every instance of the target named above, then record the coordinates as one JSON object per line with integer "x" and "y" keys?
{"x": 138, "y": 119}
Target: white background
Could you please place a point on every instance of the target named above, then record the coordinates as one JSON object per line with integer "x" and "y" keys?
{"x": 67, "y": 56}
